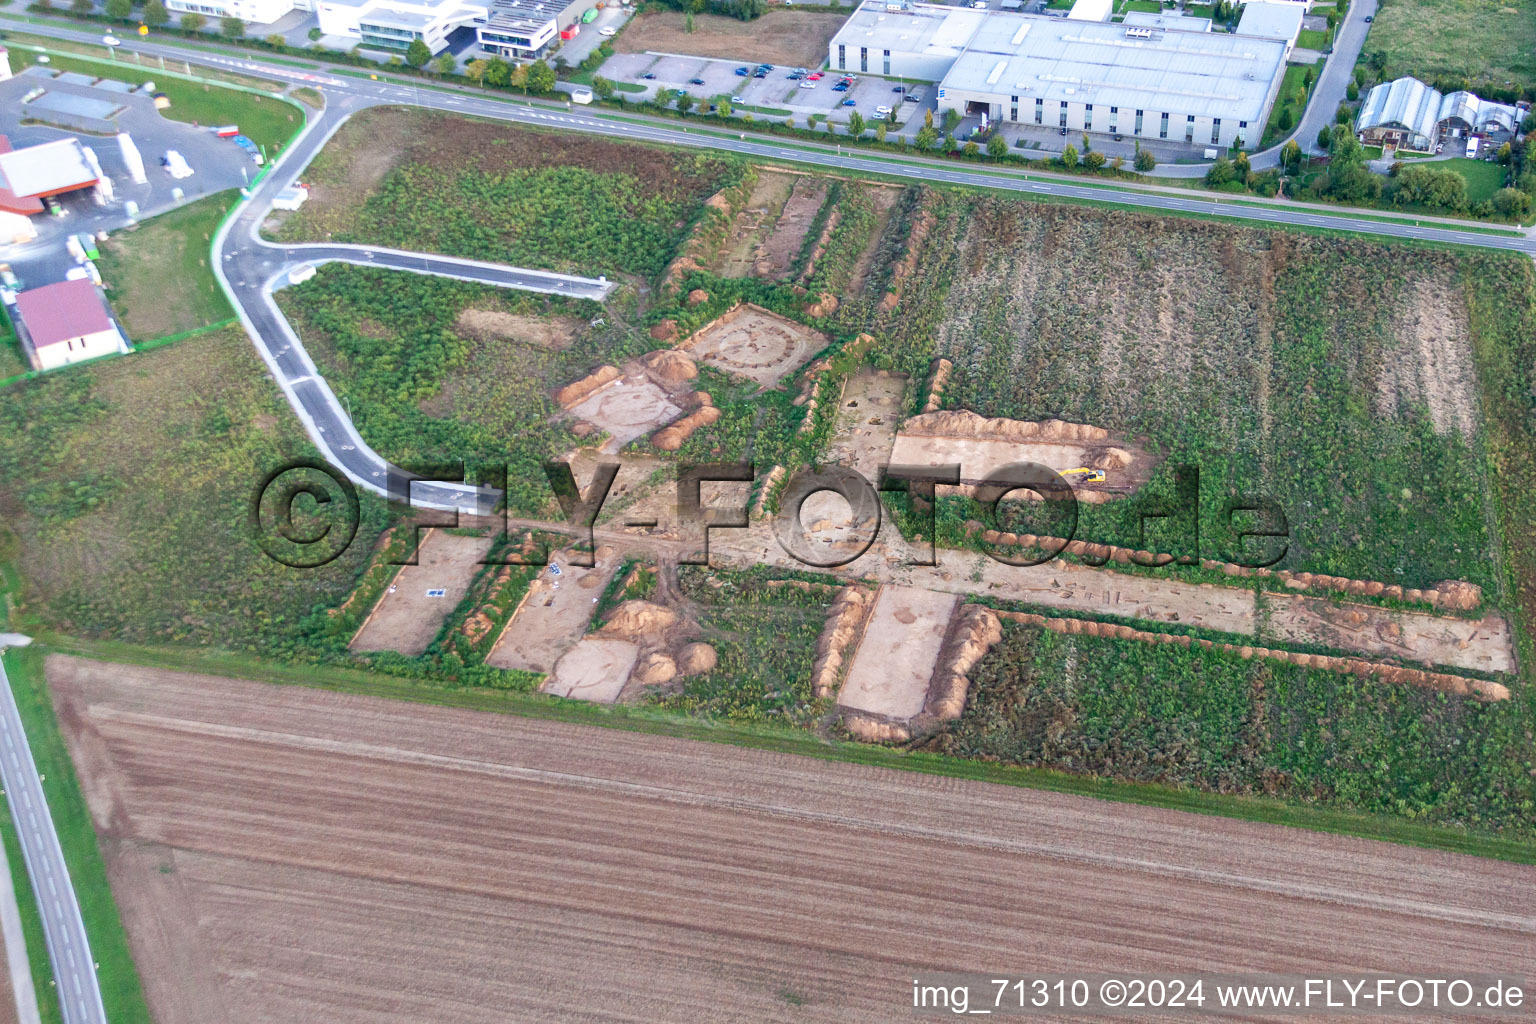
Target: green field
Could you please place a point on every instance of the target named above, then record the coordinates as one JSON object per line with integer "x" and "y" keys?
{"x": 269, "y": 122}
{"x": 157, "y": 274}
{"x": 121, "y": 993}
{"x": 1483, "y": 41}
{"x": 128, "y": 484}
{"x": 1484, "y": 177}
{"x": 472, "y": 188}
{"x": 1292, "y": 97}
{"x": 1315, "y": 39}
{"x": 11, "y": 361}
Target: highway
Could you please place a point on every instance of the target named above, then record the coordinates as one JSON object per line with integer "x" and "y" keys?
{"x": 64, "y": 930}
{"x": 348, "y": 94}
{"x": 251, "y": 268}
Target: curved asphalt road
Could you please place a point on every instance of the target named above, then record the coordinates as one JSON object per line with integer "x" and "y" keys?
{"x": 251, "y": 268}
{"x": 64, "y": 930}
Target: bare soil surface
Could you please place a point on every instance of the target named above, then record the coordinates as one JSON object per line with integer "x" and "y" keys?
{"x": 795, "y": 220}
{"x": 407, "y": 617}
{"x": 791, "y": 38}
{"x": 629, "y": 407}
{"x": 754, "y": 343}
{"x": 595, "y": 668}
{"x": 496, "y": 325}
{"x": 867, "y": 417}
{"x": 979, "y": 456}
{"x": 739, "y": 253}
{"x": 284, "y": 854}
{"x": 553, "y": 616}
{"x": 895, "y": 659}
{"x": 1482, "y": 644}
{"x": 1433, "y": 365}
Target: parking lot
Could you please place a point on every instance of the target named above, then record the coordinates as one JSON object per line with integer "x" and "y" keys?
{"x": 773, "y": 96}
{"x": 217, "y": 165}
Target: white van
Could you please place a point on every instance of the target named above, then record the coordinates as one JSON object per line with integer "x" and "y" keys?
{"x": 581, "y": 94}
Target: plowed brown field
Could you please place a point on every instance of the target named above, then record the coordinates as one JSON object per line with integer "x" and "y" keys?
{"x": 288, "y": 854}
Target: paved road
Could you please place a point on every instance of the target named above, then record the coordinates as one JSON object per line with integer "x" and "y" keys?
{"x": 251, "y": 268}
{"x": 68, "y": 948}
{"x": 1333, "y": 84}
{"x": 349, "y": 93}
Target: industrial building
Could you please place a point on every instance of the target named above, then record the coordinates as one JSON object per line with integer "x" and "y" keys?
{"x": 252, "y": 12}
{"x": 921, "y": 41}
{"x": 1181, "y": 84}
{"x": 67, "y": 322}
{"x": 1269, "y": 20}
{"x": 1408, "y": 114}
{"x": 34, "y": 173}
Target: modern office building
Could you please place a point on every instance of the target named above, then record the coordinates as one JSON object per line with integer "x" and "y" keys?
{"x": 528, "y": 29}
{"x": 395, "y": 24}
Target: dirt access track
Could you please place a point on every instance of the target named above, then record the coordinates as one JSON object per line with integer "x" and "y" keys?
{"x": 285, "y": 854}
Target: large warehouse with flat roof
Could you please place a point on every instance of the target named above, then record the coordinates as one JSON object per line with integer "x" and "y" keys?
{"x": 1195, "y": 87}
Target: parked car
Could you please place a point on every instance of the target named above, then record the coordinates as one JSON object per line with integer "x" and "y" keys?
{"x": 807, "y": 85}
{"x": 882, "y": 111}
{"x": 8, "y": 276}
{"x": 648, "y": 77}
{"x": 899, "y": 89}
{"x": 850, "y": 103}
{"x": 743, "y": 72}
{"x": 695, "y": 81}
{"x": 759, "y": 73}
{"x": 765, "y": 67}
{"x": 607, "y": 30}
{"x": 794, "y": 76}
{"x": 840, "y": 87}
{"x": 814, "y": 76}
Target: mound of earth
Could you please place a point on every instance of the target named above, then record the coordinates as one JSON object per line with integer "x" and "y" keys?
{"x": 696, "y": 658}
{"x": 639, "y": 619}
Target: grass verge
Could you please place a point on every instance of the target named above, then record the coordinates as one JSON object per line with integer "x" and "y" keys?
{"x": 119, "y": 979}
{"x": 31, "y": 922}
{"x": 157, "y": 273}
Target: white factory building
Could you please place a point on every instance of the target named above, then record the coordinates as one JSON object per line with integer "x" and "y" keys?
{"x": 1181, "y": 84}
{"x": 252, "y": 12}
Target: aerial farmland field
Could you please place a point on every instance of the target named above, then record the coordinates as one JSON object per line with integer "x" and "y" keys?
{"x": 310, "y": 846}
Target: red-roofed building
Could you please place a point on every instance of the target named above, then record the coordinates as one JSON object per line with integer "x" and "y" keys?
{"x": 67, "y": 322}
{"x": 15, "y": 211}
{"x": 50, "y": 169}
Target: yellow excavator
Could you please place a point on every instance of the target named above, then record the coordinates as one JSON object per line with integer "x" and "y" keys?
{"x": 1083, "y": 475}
